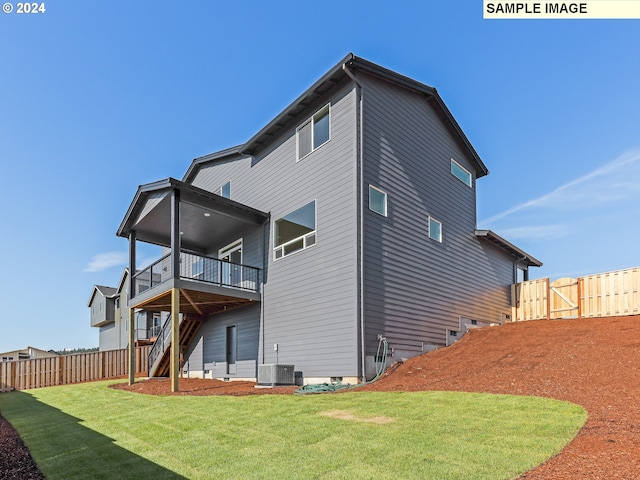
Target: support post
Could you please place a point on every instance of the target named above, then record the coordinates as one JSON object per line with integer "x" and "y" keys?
{"x": 175, "y": 339}
{"x": 175, "y": 293}
{"x": 132, "y": 318}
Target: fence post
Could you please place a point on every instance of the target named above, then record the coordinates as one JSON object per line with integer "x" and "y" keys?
{"x": 579, "y": 297}
{"x": 548, "y": 292}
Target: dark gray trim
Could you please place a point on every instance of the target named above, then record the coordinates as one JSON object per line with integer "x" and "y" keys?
{"x": 319, "y": 89}
{"x": 191, "y": 194}
{"x": 521, "y": 255}
{"x": 193, "y": 169}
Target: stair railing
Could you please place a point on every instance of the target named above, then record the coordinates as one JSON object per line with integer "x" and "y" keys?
{"x": 161, "y": 343}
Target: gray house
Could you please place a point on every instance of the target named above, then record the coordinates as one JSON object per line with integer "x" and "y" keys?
{"x": 110, "y": 314}
{"x": 351, "y": 216}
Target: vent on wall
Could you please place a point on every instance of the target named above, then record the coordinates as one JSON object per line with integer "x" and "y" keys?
{"x": 276, "y": 374}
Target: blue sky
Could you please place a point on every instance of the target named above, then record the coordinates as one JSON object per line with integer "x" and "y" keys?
{"x": 98, "y": 97}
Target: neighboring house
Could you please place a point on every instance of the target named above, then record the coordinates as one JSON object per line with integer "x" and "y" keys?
{"x": 351, "y": 216}
{"x": 28, "y": 353}
{"x": 110, "y": 314}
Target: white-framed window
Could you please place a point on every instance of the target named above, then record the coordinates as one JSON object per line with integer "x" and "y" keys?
{"x": 435, "y": 230}
{"x": 314, "y": 132}
{"x": 461, "y": 173}
{"x": 224, "y": 190}
{"x": 295, "y": 231}
{"x": 377, "y": 201}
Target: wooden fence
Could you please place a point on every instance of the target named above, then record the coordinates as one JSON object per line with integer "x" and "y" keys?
{"x": 608, "y": 294}
{"x": 83, "y": 367}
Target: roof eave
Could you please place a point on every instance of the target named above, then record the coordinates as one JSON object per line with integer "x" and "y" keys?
{"x": 520, "y": 254}
{"x": 197, "y": 163}
{"x": 334, "y": 75}
{"x": 431, "y": 92}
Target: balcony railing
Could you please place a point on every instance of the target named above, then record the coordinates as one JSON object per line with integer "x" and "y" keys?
{"x": 200, "y": 268}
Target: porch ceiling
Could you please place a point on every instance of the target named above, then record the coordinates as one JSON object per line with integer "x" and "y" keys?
{"x": 205, "y": 218}
{"x": 194, "y": 302}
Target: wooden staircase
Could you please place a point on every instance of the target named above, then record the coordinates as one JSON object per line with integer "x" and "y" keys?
{"x": 160, "y": 355}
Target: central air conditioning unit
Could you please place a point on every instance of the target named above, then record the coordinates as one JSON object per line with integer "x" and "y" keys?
{"x": 276, "y": 375}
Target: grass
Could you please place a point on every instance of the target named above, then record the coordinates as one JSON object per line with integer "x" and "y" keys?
{"x": 91, "y": 431}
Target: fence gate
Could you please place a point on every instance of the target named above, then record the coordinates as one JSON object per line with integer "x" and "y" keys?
{"x": 563, "y": 298}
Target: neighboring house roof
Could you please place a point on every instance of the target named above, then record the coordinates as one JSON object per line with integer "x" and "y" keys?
{"x": 32, "y": 352}
{"x": 123, "y": 281}
{"x": 290, "y": 115}
{"x": 521, "y": 255}
{"x": 107, "y": 292}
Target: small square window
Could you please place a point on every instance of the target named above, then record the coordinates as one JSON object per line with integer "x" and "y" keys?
{"x": 377, "y": 200}
{"x": 435, "y": 230}
{"x": 461, "y": 173}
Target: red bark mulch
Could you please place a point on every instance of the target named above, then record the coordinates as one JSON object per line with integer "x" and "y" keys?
{"x": 16, "y": 462}
{"x": 592, "y": 362}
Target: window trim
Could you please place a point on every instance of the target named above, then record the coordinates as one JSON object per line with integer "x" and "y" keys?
{"x": 439, "y": 238}
{"x": 311, "y": 120}
{"x": 304, "y": 237}
{"x": 220, "y": 189}
{"x": 372, "y": 187}
{"x": 468, "y": 183}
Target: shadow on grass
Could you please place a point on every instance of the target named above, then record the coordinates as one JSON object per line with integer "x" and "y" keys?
{"x": 65, "y": 449}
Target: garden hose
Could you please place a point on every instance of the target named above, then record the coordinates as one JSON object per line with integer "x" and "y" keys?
{"x": 380, "y": 363}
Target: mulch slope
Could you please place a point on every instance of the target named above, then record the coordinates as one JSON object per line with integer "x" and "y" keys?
{"x": 591, "y": 362}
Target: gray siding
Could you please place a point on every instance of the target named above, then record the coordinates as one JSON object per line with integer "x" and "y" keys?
{"x": 416, "y": 288}
{"x": 208, "y": 350}
{"x": 110, "y": 337}
{"x": 310, "y": 297}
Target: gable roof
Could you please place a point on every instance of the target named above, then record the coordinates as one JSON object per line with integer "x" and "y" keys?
{"x": 123, "y": 280}
{"x": 107, "y": 292}
{"x": 337, "y": 74}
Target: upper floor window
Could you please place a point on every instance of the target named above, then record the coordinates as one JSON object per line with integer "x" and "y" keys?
{"x": 314, "y": 133}
{"x": 225, "y": 190}
{"x": 435, "y": 230}
{"x": 460, "y": 173}
{"x": 295, "y": 231}
{"x": 377, "y": 200}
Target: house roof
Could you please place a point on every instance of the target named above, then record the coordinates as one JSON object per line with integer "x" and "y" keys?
{"x": 151, "y": 207}
{"x": 521, "y": 255}
{"x": 123, "y": 280}
{"x": 30, "y": 350}
{"x": 106, "y": 292}
{"x": 290, "y": 115}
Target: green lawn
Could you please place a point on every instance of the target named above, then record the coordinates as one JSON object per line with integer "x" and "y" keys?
{"x": 91, "y": 431}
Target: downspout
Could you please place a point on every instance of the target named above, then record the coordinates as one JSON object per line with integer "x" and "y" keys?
{"x": 359, "y": 187}
{"x": 265, "y": 263}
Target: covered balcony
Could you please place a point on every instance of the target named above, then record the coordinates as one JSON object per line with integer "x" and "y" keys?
{"x": 200, "y": 271}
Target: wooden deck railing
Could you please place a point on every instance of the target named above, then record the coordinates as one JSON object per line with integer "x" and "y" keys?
{"x": 83, "y": 367}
